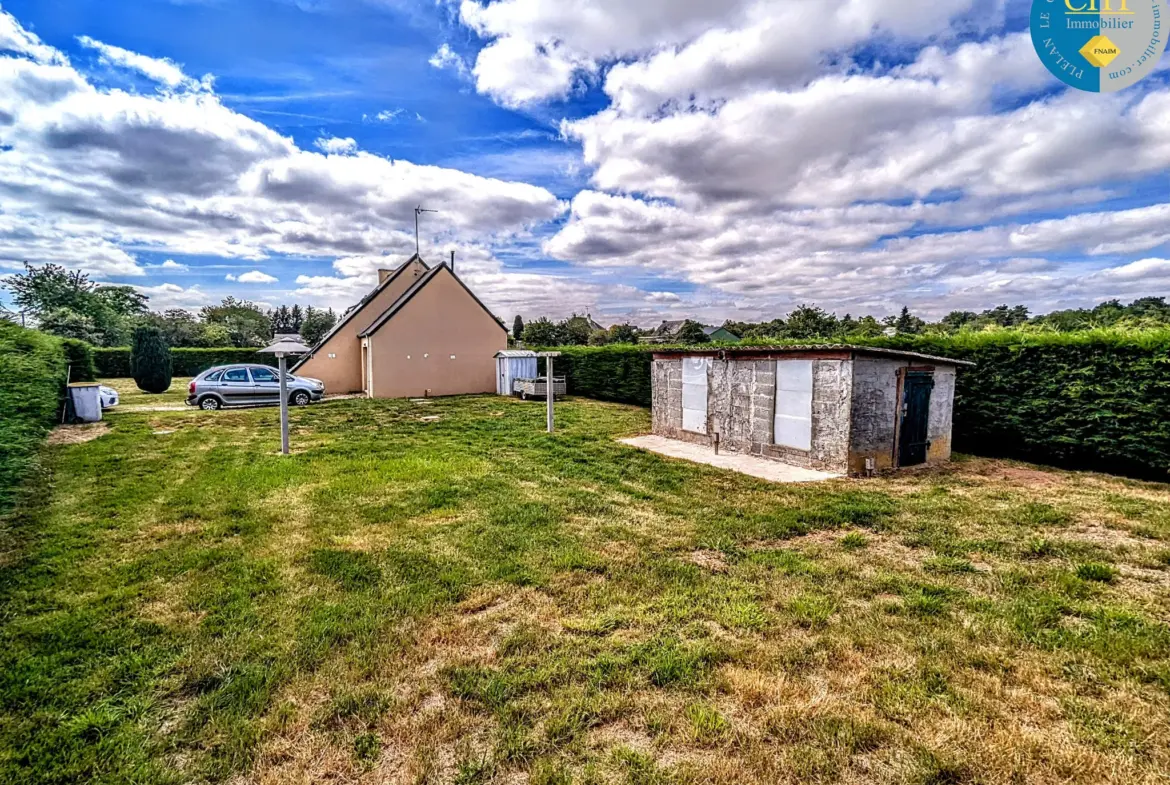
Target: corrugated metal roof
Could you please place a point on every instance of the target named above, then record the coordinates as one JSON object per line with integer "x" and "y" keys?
{"x": 515, "y": 353}
{"x": 880, "y": 351}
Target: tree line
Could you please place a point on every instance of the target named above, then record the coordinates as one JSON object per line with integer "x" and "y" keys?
{"x": 67, "y": 304}
{"x": 810, "y": 322}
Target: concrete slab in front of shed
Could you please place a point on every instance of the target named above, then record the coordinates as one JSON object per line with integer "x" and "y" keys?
{"x": 763, "y": 468}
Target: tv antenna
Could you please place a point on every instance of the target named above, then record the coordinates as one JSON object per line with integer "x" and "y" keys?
{"x": 417, "y": 212}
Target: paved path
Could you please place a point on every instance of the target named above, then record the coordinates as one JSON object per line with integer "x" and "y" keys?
{"x": 764, "y": 468}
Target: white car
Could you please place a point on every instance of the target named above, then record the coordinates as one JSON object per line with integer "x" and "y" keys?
{"x": 109, "y": 396}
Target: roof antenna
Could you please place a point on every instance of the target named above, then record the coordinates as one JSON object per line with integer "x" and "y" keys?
{"x": 417, "y": 212}
{"x": 452, "y": 260}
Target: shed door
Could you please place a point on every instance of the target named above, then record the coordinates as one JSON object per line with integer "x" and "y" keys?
{"x": 694, "y": 393}
{"x": 912, "y": 441}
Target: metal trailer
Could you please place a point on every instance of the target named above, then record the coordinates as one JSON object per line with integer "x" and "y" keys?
{"x": 538, "y": 387}
{"x": 512, "y": 364}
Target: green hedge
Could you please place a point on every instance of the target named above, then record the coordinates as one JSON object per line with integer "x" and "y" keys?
{"x": 115, "y": 363}
{"x": 618, "y": 373}
{"x": 1097, "y": 399}
{"x": 79, "y": 356}
{"x": 32, "y": 378}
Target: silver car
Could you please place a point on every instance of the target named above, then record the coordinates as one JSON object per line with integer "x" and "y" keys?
{"x": 249, "y": 385}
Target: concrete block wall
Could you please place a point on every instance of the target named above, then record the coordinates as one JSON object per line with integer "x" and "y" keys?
{"x": 875, "y": 411}
{"x": 831, "y": 414}
{"x": 942, "y": 403}
{"x": 741, "y": 401}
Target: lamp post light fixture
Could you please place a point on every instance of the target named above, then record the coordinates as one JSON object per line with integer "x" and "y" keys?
{"x": 284, "y": 346}
{"x": 548, "y": 386}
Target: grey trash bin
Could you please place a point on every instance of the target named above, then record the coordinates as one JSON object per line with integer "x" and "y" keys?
{"x": 86, "y": 400}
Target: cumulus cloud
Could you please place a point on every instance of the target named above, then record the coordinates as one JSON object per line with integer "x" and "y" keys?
{"x": 89, "y": 173}
{"x": 160, "y": 70}
{"x": 677, "y": 50}
{"x": 332, "y": 145}
{"x": 253, "y": 276}
{"x": 446, "y": 58}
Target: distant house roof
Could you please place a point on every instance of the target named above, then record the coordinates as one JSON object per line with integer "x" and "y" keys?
{"x": 415, "y": 288}
{"x": 355, "y": 310}
{"x": 712, "y": 330}
{"x": 592, "y": 324}
{"x": 765, "y": 351}
{"x": 670, "y": 328}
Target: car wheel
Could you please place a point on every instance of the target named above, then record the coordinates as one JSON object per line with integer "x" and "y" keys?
{"x": 300, "y": 398}
{"x": 210, "y": 404}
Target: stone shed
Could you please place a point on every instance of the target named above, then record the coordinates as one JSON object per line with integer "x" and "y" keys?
{"x": 844, "y": 409}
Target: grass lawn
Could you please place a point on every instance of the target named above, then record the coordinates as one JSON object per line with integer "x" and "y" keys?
{"x": 440, "y": 592}
{"x": 130, "y": 395}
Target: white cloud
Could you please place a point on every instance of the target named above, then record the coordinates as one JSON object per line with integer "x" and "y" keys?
{"x": 169, "y": 295}
{"x": 386, "y": 115}
{"x": 516, "y": 72}
{"x": 254, "y": 276}
{"x": 90, "y": 172}
{"x": 446, "y": 58}
{"x": 164, "y": 71}
{"x": 172, "y": 265}
{"x": 332, "y": 145}
{"x": 679, "y": 49}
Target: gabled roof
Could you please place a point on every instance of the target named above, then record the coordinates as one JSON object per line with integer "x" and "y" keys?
{"x": 355, "y": 310}
{"x": 418, "y": 285}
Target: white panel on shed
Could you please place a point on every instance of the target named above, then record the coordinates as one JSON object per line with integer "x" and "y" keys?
{"x": 694, "y": 393}
{"x": 792, "y": 426}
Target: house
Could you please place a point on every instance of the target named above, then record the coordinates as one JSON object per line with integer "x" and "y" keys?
{"x": 668, "y": 331}
{"x": 419, "y": 332}
{"x": 721, "y": 334}
{"x": 843, "y": 409}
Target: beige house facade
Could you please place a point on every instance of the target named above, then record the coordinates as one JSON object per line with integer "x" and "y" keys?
{"x": 420, "y": 332}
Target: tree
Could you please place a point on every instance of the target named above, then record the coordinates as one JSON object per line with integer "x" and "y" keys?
{"x": 150, "y": 360}
{"x": 691, "y": 332}
{"x": 47, "y": 288}
{"x": 317, "y": 323}
{"x": 296, "y": 318}
{"x": 575, "y": 330}
{"x": 542, "y": 332}
{"x": 907, "y": 323}
{"x": 809, "y": 321}
{"x": 517, "y": 327}
{"x": 599, "y": 338}
{"x": 623, "y": 333}
{"x": 245, "y": 323}
{"x": 67, "y": 323}
{"x": 957, "y": 320}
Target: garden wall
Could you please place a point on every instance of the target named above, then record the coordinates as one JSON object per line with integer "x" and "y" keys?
{"x": 1095, "y": 399}
{"x": 115, "y": 363}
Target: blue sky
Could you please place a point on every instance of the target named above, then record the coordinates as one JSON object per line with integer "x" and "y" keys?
{"x": 635, "y": 161}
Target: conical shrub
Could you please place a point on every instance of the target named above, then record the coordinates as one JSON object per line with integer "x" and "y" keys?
{"x": 150, "y": 360}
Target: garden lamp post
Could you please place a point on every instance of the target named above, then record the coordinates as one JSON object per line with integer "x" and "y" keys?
{"x": 282, "y": 348}
{"x": 548, "y": 386}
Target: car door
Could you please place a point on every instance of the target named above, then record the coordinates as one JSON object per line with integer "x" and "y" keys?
{"x": 267, "y": 385}
{"x": 236, "y": 386}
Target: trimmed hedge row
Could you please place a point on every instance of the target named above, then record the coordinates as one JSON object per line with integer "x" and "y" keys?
{"x": 1095, "y": 400}
{"x": 115, "y": 363}
{"x": 32, "y": 378}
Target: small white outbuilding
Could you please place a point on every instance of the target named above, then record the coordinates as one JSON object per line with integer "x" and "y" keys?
{"x": 512, "y": 364}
